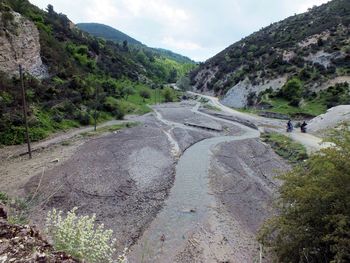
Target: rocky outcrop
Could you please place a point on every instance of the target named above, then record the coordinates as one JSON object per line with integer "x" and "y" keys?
{"x": 19, "y": 44}
{"x": 331, "y": 119}
{"x": 237, "y": 96}
{"x": 25, "y": 244}
{"x": 323, "y": 58}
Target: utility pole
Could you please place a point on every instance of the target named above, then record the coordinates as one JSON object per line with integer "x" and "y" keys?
{"x": 96, "y": 103}
{"x": 155, "y": 96}
{"x": 24, "y": 104}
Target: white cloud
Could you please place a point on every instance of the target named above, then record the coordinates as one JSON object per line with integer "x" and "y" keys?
{"x": 305, "y": 5}
{"x": 180, "y": 44}
{"x": 195, "y": 28}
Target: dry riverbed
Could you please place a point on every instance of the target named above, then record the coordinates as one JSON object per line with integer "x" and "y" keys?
{"x": 213, "y": 175}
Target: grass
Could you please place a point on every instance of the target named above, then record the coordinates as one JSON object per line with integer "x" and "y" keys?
{"x": 211, "y": 107}
{"x": 108, "y": 129}
{"x": 42, "y": 123}
{"x": 285, "y": 147}
{"x": 135, "y": 104}
{"x": 313, "y": 108}
{"x": 279, "y": 105}
{"x": 17, "y": 209}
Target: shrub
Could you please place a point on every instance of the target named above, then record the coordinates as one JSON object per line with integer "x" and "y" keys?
{"x": 313, "y": 221}
{"x": 168, "y": 95}
{"x": 292, "y": 91}
{"x": 7, "y": 18}
{"x": 285, "y": 147}
{"x": 145, "y": 94}
{"x": 84, "y": 118}
{"x": 126, "y": 91}
{"x": 80, "y": 237}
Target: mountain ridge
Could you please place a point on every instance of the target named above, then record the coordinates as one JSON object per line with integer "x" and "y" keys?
{"x": 82, "y": 79}
{"x": 312, "y": 46}
{"x": 110, "y": 33}
{"x": 107, "y": 32}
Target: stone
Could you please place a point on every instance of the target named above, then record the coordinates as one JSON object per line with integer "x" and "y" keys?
{"x": 3, "y": 213}
{"x": 20, "y": 44}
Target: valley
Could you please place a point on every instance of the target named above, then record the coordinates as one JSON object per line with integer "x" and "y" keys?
{"x": 171, "y": 192}
{"x": 146, "y": 186}
{"x": 141, "y": 154}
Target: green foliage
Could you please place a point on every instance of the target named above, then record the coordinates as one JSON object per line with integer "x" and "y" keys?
{"x": 313, "y": 220}
{"x": 184, "y": 83}
{"x": 81, "y": 54}
{"x": 80, "y": 236}
{"x": 163, "y": 66}
{"x": 17, "y": 209}
{"x": 79, "y": 65}
{"x": 111, "y": 128}
{"x": 106, "y": 32}
{"x": 3, "y": 197}
{"x": 7, "y": 18}
{"x": 285, "y": 147}
{"x": 262, "y": 55}
{"x": 145, "y": 94}
{"x": 337, "y": 95}
{"x": 112, "y": 105}
{"x": 292, "y": 91}
{"x": 127, "y": 91}
{"x": 168, "y": 94}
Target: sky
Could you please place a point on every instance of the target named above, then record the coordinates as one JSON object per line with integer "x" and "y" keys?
{"x": 198, "y": 29}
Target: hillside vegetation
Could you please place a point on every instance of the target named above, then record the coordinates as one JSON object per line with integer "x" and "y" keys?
{"x": 86, "y": 73}
{"x": 302, "y": 54}
{"x": 313, "y": 220}
{"x": 107, "y": 32}
{"x": 170, "y": 65}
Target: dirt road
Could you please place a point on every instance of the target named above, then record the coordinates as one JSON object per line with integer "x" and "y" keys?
{"x": 311, "y": 142}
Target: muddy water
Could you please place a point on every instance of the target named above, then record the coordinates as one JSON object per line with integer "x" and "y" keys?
{"x": 187, "y": 206}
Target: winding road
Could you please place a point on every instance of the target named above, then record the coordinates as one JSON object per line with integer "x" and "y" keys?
{"x": 311, "y": 142}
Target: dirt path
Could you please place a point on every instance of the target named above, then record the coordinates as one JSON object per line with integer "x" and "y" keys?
{"x": 311, "y": 142}
{"x": 8, "y": 152}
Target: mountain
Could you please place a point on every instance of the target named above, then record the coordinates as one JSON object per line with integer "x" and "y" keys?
{"x": 289, "y": 61}
{"x": 107, "y": 32}
{"x": 110, "y": 33}
{"x": 70, "y": 73}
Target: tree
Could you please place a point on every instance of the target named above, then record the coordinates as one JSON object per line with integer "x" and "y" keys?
{"x": 50, "y": 10}
{"x": 313, "y": 223}
{"x": 145, "y": 94}
{"x": 172, "y": 76}
{"x": 168, "y": 95}
{"x": 292, "y": 91}
{"x": 126, "y": 91}
{"x": 125, "y": 46}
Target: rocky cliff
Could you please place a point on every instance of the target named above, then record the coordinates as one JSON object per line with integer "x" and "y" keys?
{"x": 19, "y": 44}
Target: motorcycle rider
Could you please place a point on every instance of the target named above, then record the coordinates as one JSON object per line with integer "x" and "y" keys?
{"x": 289, "y": 126}
{"x": 303, "y": 127}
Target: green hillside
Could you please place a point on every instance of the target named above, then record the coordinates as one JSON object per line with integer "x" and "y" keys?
{"x": 110, "y": 33}
{"x": 312, "y": 48}
{"x": 107, "y": 32}
{"x": 81, "y": 68}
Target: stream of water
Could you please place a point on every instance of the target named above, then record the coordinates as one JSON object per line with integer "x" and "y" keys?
{"x": 188, "y": 203}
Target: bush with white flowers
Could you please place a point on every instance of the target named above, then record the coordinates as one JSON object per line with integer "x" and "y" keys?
{"x": 80, "y": 237}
